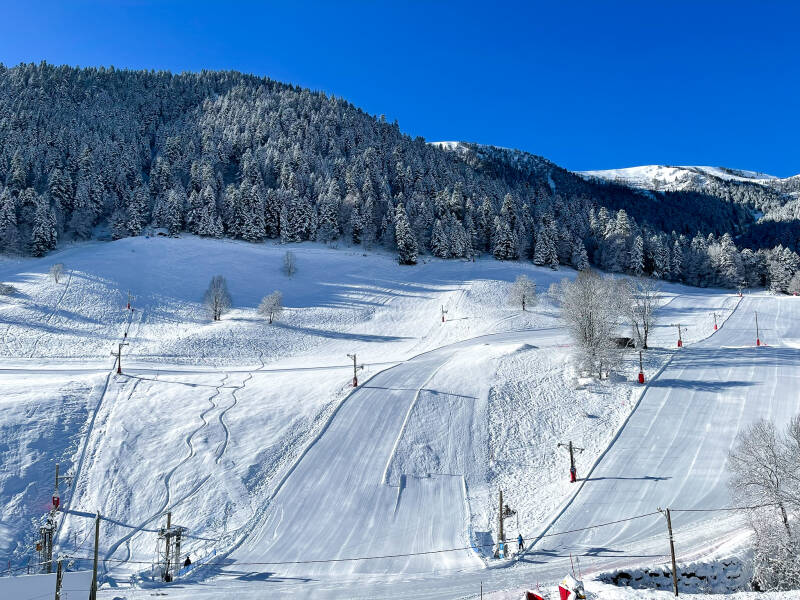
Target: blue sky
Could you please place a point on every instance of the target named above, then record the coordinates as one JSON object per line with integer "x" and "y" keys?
{"x": 590, "y": 85}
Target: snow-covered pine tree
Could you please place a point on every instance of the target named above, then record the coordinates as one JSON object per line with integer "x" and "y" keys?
{"x": 43, "y": 232}
{"x": 729, "y": 262}
{"x": 82, "y": 219}
{"x": 456, "y": 237}
{"x": 544, "y": 253}
{"x": 207, "y": 221}
{"x": 119, "y": 222}
{"x": 676, "y": 260}
{"x": 172, "y": 214}
{"x": 636, "y": 256}
{"x": 137, "y": 210}
{"x": 579, "y": 259}
{"x": 486, "y": 226}
{"x": 328, "y": 213}
{"x": 250, "y": 212}
{"x": 503, "y": 240}
{"x": 439, "y": 243}
{"x": 59, "y": 186}
{"x": 406, "y": 243}
{"x": 9, "y": 232}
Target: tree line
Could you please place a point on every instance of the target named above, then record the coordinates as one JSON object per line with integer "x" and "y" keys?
{"x": 102, "y": 152}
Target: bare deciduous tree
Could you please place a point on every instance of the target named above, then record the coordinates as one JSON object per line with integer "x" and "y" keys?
{"x": 764, "y": 475}
{"x": 640, "y": 299}
{"x": 289, "y": 263}
{"x": 56, "y": 271}
{"x": 758, "y": 467}
{"x": 591, "y": 310}
{"x": 217, "y": 299}
{"x": 271, "y": 306}
{"x": 523, "y": 292}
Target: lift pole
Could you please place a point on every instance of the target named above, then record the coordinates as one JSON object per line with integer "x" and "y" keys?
{"x": 758, "y": 336}
{"x": 56, "y": 497}
{"x": 573, "y": 472}
{"x": 715, "y": 321}
{"x": 641, "y": 370}
{"x": 58, "y": 581}
{"x": 356, "y": 367}
{"x": 118, "y": 354}
{"x": 93, "y": 590}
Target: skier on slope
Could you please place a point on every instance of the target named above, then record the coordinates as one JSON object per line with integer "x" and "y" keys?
{"x": 520, "y": 543}
{"x": 187, "y": 562}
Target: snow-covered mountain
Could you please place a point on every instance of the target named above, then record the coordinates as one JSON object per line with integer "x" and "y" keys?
{"x": 663, "y": 177}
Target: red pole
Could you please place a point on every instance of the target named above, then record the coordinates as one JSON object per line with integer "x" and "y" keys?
{"x": 758, "y": 337}
{"x": 641, "y": 370}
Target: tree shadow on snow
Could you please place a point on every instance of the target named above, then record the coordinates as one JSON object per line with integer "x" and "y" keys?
{"x": 700, "y": 385}
{"x": 645, "y": 478}
{"x": 340, "y": 335}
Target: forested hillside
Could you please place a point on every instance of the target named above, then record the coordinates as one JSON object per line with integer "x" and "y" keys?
{"x": 107, "y": 152}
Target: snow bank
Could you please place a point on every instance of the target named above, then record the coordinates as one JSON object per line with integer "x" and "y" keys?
{"x": 718, "y": 577}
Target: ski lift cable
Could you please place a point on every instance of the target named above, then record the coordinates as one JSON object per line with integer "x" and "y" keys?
{"x": 429, "y": 552}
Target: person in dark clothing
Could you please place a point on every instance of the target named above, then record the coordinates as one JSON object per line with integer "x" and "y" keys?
{"x": 520, "y": 542}
{"x": 187, "y": 562}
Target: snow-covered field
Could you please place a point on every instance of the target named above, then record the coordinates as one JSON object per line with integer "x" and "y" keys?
{"x": 249, "y": 433}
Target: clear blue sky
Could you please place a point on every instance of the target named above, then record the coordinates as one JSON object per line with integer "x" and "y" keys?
{"x": 590, "y": 85}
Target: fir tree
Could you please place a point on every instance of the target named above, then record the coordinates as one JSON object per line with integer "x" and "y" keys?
{"x": 9, "y": 232}
{"x": 406, "y": 244}
{"x": 636, "y": 256}
{"x": 503, "y": 240}
{"x": 43, "y": 233}
{"x": 579, "y": 259}
{"x": 439, "y": 244}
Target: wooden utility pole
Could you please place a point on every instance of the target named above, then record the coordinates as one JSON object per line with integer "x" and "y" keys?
{"x": 573, "y": 472}
{"x": 356, "y": 367}
{"x": 58, "y": 581}
{"x": 118, "y": 354}
{"x": 93, "y": 590}
{"x": 672, "y": 550}
{"x": 501, "y": 536}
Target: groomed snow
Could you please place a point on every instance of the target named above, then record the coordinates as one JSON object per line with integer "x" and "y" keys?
{"x": 248, "y": 433}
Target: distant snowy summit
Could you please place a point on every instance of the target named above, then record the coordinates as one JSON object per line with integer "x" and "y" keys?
{"x": 717, "y": 181}
{"x": 667, "y": 178}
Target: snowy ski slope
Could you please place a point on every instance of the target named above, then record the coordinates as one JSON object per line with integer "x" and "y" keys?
{"x": 671, "y": 453}
{"x": 250, "y": 436}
